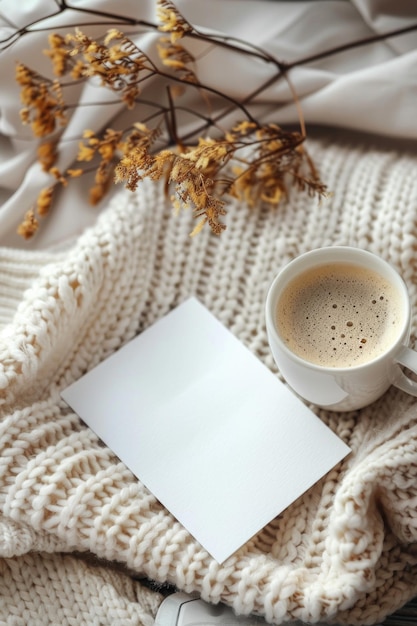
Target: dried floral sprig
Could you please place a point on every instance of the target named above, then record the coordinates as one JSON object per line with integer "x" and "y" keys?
{"x": 172, "y": 21}
{"x": 252, "y": 161}
{"x": 29, "y": 225}
{"x": 44, "y": 107}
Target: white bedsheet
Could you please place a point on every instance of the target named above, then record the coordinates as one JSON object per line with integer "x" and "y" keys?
{"x": 372, "y": 88}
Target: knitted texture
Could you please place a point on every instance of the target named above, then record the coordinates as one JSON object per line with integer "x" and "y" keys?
{"x": 59, "y": 589}
{"x": 345, "y": 551}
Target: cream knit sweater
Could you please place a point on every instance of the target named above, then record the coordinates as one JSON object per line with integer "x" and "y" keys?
{"x": 345, "y": 552}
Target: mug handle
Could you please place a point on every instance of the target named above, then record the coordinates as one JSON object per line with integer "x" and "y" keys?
{"x": 408, "y": 358}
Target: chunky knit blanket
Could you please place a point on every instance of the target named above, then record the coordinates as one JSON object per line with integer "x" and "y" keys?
{"x": 78, "y": 529}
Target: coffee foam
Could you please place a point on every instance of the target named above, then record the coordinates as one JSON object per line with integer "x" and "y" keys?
{"x": 339, "y": 315}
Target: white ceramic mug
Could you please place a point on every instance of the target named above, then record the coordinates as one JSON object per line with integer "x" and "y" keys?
{"x": 343, "y": 388}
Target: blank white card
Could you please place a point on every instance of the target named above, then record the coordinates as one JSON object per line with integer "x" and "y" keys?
{"x": 210, "y": 431}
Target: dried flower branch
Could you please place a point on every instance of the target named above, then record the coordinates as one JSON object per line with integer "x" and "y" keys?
{"x": 252, "y": 161}
{"x": 29, "y": 225}
{"x": 172, "y": 22}
{"x": 44, "y": 106}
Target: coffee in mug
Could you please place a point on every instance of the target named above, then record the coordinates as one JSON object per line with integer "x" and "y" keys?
{"x": 338, "y": 321}
{"x": 339, "y": 315}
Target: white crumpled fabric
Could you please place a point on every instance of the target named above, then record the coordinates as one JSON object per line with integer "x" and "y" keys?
{"x": 372, "y": 88}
